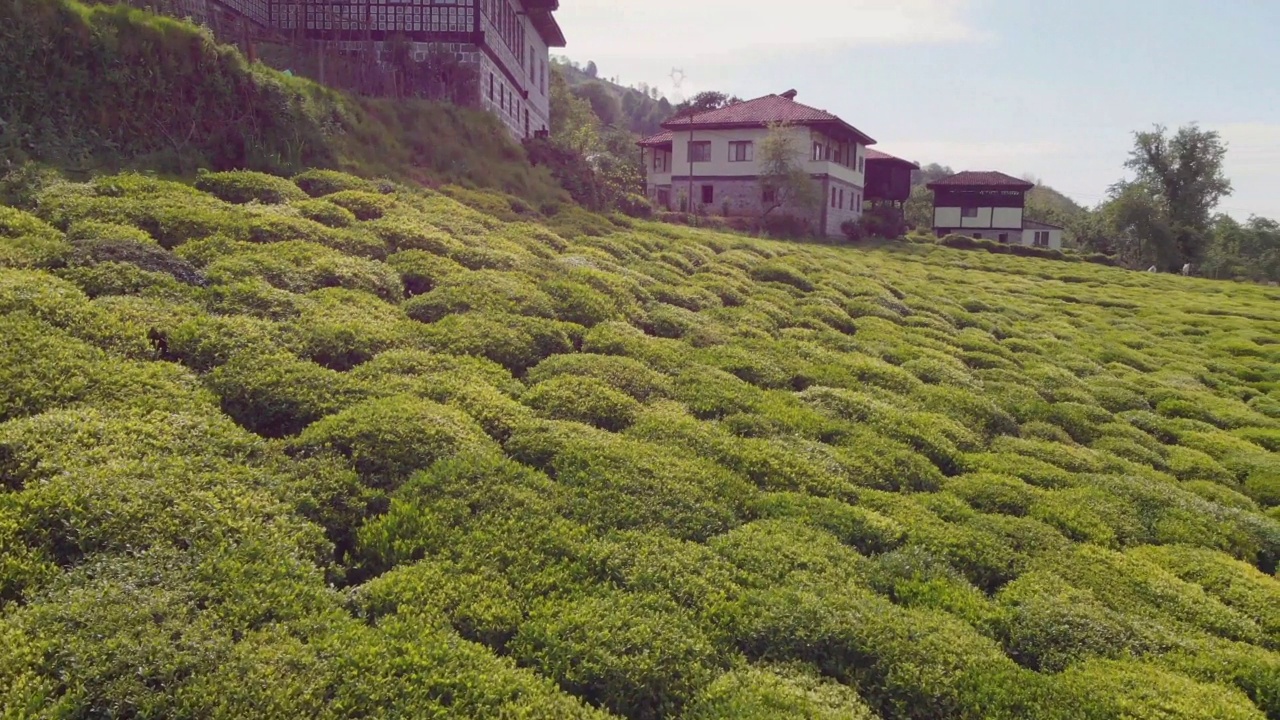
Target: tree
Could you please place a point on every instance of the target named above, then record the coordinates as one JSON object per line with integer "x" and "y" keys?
{"x": 928, "y": 173}
{"x": 704, "y": 101}
{"x": 591, "y": 70}
{"x": 918, "y": 210}
{"x": 1184, "y": 173}
{"x": 783, "y": 179}
{"x": 603, "y": 102}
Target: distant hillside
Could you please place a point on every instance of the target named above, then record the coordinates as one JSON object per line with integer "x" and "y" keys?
{"x": 639, "y": 109}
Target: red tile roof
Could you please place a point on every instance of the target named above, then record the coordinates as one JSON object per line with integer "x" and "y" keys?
{"x": 663, "y": 138}
{"x": 762, "y": 111}
{"x": 873, "y": 155}
{"x": 986, "y": 178}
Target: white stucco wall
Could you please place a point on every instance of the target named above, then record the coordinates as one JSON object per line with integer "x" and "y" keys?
{"x": 1055, "y": 238}
{"x": 719, "y": 164}
{"x": 1007, "y": 218}
{"x": 527, "y": 67}
{"x": 946, "y": 217}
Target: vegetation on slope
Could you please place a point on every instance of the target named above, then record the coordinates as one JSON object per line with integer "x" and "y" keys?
{"x": 88, "y": 88}
{"x": 316, "y": 448}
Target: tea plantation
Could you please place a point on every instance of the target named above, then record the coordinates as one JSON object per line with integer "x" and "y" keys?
{"x": 327, "y": 448}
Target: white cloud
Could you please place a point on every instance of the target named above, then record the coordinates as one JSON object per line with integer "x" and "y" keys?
{"x": 613, "y": 31}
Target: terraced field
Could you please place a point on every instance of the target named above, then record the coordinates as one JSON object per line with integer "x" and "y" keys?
{"x": 326, "y": 448}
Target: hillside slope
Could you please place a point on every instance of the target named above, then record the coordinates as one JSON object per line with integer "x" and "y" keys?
{"x": 314, "y": 448}
{"x": 90, "y": 88}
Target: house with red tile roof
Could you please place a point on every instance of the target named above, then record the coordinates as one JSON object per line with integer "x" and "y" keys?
{"x": 989, "y": 205}
{"x": 706, "y": 161}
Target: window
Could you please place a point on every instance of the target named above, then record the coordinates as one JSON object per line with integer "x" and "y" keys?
{"x": 708, "y": 194}
{"x": 817, "y": 151}
{"x": 833, "y": 197}
{"x": 858, "y": 206}
{"x": 741, "y": 151}
{"x": 862, "y": 164}
{"x": 700, "y": 151}
{"x": 664, "y": 197}
{"x": 490, "y": 87}
{"x": 841, "y": 205}
{"x": 769, "y": 195}
{"x": 1004, "y": 237}
{"x": 526, "y": 122}
{"x": 1042, "y": 238}
{"x": 969, "y": 212}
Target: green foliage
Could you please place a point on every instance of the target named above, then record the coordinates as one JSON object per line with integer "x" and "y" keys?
{"x": 449, "y": 462}
{"x": 245, "y": 186}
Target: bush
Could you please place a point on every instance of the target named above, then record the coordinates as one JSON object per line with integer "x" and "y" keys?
{"x": 276, "y": 395}
{"x": 318, "y": 183}
{"x": 244, "y": 186}
{"x": 781, "y": 692}
{"x": 632, "y": 654}
{"x": 28, "y": 242}
{"x": 583, "y": 399}
{"x": 636, "y": 206}
{"x": 388, "y": 439}
{"x": 325, "y": 213}
{"x": 364, "y": 205}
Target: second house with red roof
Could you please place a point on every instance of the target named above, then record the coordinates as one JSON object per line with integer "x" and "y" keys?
{"x": 708, "y": 161}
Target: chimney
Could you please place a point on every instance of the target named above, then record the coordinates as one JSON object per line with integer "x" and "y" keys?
{"x": 790, "y": 94}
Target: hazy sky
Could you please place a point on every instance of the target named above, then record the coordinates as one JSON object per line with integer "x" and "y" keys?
{"x": 1048, "y": 87}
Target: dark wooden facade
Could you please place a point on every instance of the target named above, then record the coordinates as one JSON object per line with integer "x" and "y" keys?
{"x": 980, "y": 197}
{"x": 887, "y": 182}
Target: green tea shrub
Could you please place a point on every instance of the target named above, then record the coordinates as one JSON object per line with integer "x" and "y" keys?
{"x": 777, "y": 553}
{"x": 325, "y": 213}
{"x": 421, "y": 271}
{"x": 711, "y": 393}
{"x": 486, "y": 291}
{"x": 405, "y": 368}
{"x": 582, "y": 399}
{"x": 592, "y": 646}
{"x": 116, "y": 278}
{"x": 619, "y": 338}
{"x": 145, "y": 254}
{"x": 512, "y": 341}
{"x": 994, "y": 493}
{"x": 623, "y": 374}
{"x": 64, "y": 306}
{"x": 387, "y": 439}
{"x": 1051, "y": 625}
{"x": 866, "y": 530}
{"x": 318, "y": 182}
{"x": 688, "y": 573}
{"x": 299, "y": 267}
{"x": 28, "y": 242}
{"x": 1237, "y": 584}
{"x": 1108, "y": 688}
{"x": 273, "y": 226}
{"x": 780, "y": 271}
{"x": 245, "y": 186}
{"x": 42, "y": 368}
{"x": 340, "y": 328}
{"x": 405, "y": 234}
{"x": 627, "y": 484}
{"x": 363, "y": 204}
{"x": 781, "y": 692}
{"x": 277, "y": 394}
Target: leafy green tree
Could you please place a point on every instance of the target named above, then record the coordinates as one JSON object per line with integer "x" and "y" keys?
{"x": 919, "y": 208}
{"x": 1184, "y": 173}
{"x": 604, "y": 103}
{"x": 704, "y": 101}
{"x": 783, "y": 179}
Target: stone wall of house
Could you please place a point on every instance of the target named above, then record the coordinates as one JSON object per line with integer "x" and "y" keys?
{"x": 846, "y": 207}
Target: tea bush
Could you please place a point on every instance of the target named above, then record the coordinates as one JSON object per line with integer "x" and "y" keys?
{"x": 354, "y": 448}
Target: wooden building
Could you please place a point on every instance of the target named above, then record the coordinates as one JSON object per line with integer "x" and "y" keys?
{"x": 888, "y": 179}
{"x": 989, "y": 205}
{"x": 507, "y": 42}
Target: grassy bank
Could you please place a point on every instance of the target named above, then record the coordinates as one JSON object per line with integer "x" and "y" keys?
{"x": 89, "y": 89}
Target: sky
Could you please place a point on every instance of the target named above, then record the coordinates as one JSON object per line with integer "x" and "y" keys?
{"x": 1050, "y": 88}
